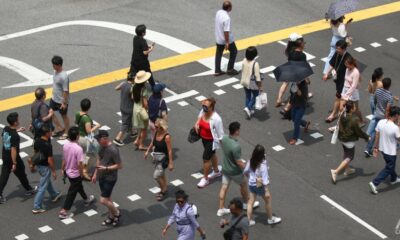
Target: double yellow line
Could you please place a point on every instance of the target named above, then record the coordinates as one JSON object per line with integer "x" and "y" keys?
{"x": 169, "y": 62}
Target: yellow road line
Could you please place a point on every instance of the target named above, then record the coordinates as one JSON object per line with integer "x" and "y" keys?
{"x": 169, "y": 62}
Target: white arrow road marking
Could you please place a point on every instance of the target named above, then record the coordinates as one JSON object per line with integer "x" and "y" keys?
{"x": 309, "y": 56}
{"x": 35, "y": 76}
{"x": 27, "y": 143}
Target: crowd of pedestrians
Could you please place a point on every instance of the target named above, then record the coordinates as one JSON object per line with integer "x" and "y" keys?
{"x": 90, "y": 154}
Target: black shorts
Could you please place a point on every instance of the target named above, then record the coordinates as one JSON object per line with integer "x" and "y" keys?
{"x": 348, "y": 153}
{"x": 339, "y": 89}
{"x": 57, "y": 107}
{"x": 106, "y": 188}
{"x": 208, "y": 149}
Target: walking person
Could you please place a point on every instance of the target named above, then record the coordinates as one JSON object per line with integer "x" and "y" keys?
{"x": 40, "y": 113}
{"x": 338, "y": 70}
{"x": 224, "y": 40}
{"x": 386, "y": 137}
{"x": 140, "y": 106}
{"x": 72, "y": 168}
{"x": 161, "y": 148}
{"x": 209, "y": 127}
{"x": 126, "y": 108}
{"x": 251, "y": 80}
{"x": 349, "y": 132}
{"x": 46, "y": 169}
{"x": 350, "y": 87}
{"x": 185, "y": 218}
{"x": 157, "y": 106}
{"x": 232, "y": 168}
{"x": 383, "y": 100}
{"x": 373, "y": 85}
{"x": 60, "y": 99}
{"x": 339, "y": 32}
{"x": 257, "y": 172}
{"x": 12, "y": 162}
{"x": 140, "y": 54}
{"x": 238, "y": 221}
{"x": 108, "y": 164}
{"x": 86, "y": 133}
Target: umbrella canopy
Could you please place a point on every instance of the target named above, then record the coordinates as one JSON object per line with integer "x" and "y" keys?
{"x": 293, "y": 71}
{"x": 341, "y": 8}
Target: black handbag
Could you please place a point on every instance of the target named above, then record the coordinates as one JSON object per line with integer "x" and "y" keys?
{"x": 193, "y": 136}
{"x": 228, "y": 234}
{"x": 38, "y": 158}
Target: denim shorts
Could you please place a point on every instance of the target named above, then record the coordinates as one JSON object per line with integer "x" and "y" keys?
{"x": 106, "y": 188}
{"x": 259, "y": 191}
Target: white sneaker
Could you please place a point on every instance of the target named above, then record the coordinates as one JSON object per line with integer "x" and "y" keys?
{"x": 373, "y": 188}
{"x": 395, "y": 181}
{"x": 203, "y": 183}
{"x": 247, "y": 111}
{"x": 89, "y": 200}
{"x": 255, "y": 205}
{"x": 214, "y": 174}
{"x": 252, "y": 112}
{"x": 349, "y": 171}
{"x": 223, "y": 211}
{"x": 333, "y": 176}
{"x": 274, "y": 220}
{"x": 252, "y": 223}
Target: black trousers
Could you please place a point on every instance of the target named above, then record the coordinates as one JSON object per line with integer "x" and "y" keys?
{"x": 75, "y": 187}
{"x": 19, "y": 172}
{"x": 136, "y": 67}
{"x": 232, "y": 56}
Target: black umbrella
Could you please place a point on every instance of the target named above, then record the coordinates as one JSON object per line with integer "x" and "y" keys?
{"x": 341, "y": 8}
{"x": 293, "y": 71}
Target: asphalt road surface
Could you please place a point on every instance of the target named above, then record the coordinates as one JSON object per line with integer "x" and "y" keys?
{"x": 303, "y": 194}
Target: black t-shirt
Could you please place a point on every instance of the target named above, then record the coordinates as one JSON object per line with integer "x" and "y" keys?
{"x": 338, "y": 64}
{"x": 297, "y": 56}
{"x": 10, "y": 139}
{"x": 139, "y": 46}
{"x": 300, "y": 101}
{"x": 45, "y": 148}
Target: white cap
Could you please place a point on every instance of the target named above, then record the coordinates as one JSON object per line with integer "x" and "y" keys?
{"x": 294, "y": 36}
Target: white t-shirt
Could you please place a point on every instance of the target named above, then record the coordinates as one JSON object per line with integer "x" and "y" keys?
{"x": 60, "y": 85}
{"x": 388, "y": 135}
{"x": 222, "y": 24}
{"x": 339, "y": 31}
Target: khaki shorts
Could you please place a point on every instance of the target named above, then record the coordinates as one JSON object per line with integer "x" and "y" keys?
{"x": 238, "y": 179}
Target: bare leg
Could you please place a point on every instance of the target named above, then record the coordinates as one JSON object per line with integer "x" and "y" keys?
{"x": 214, "y": 161}
{"x": 56, "y": 123}
{"x": 119, "y": 136}
{"x": 206, "y": 168}
{"x": 113, "y": 211}
{"x": 268, "y": 204}
{"x": 244, "y": 192}
{"x": 66, "y": 123}
{"x": 282, "y": 90}
{"x": 250, "y": 204}
{"x": 222, "y": 194}
{"x": 343, "y": 165}
{"x": 335, "y": 109}
{"x": 162, "y": 181}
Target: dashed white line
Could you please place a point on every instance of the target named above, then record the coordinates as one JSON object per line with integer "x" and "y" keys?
{"x": 23, "y": 154}
{"x": 68, "y": 221}
{"x": 91, "y": 212}
{"x": 324, "y": 59}
{"x": 180, "y": 96}
{"x": 22, "y": 237}
{"x": 354, "y": 217}
{"x": 237, "y": 86}
{"x": 226, "y": 82}
{"x": 391, "y": 40}
{"x": 119, "y": 114}
{"x": 183, "y": 103}
{"x": 120, "y": 121}
{"x": 2, "y": 126}
{"x": 116, "y": 204}
{"x": 375, "y": 44}
{"x": 271, "y": 75}
{"x": 155, "y": 190}
{"x": 359, "y": 49}
{"x": 267, "y": 69}
{"x": 45, "y": 229}
{"x": 134, "y": 197}
{"x": 312, "y": 64}
{"x": 316, "y": 135}
{"x": 278, "y": 148}
{"x": 219, "y": 92}
{"x": 177, "y": 182}
{"x": 197, "y": 175}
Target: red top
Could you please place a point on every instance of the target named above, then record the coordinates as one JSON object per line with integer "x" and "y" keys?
{"x": 205, "y": 130}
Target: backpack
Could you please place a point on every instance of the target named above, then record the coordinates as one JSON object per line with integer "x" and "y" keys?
{"x": 228, "y": 234}
{"x": 37, "y": 122}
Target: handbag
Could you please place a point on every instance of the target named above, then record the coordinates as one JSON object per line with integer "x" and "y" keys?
{"x": 261, "y": 101}
{"x": 158, "y": 157}
{"x": 37, "y": 158}
{"x": 335, "y": 134}
{"x": 92, "y": 145}
{"x": 193, "y": 136}
{"x": 228, "y": 234}
{"x": 143, "y": 115}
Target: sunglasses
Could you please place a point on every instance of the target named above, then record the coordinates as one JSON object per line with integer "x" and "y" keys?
{"x": 180, "y": 201}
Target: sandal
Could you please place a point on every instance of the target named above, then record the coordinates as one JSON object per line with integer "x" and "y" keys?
{"x": 279, "y": 104}
{"x": 116, "y": 220}
{"x": 292, "y": 141}
{"x": 307, "y": 126}
{"x": 330, "y": 119}
{"x": 108, "y": 221}
{"x": 161, "y": 196}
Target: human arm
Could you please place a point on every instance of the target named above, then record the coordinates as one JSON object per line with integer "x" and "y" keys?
{"x": 62, "y": 167}
{"x": 14, "y": 158}
{"x": 264, "y": 173}
{"x": 227, "y": 29}
{"x": 197, "y": 124}
{"x": 52, "y": 166}
{"x": 171, "y": 220}
{"x": 169, "y": 147}
{"x": 376, "y": 149}
{"x": 258, "y": 76}
{"x": 355, "y": 75}
{"x": 219, "y": 128}
{"x": 149, "y": 148}
{"x": 226, "y": 36}
{"x": 94, "y": 177}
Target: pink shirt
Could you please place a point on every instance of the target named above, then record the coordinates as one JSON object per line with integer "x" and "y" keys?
{"x": 73, "y": 154}
{"x": 351, "y": 80}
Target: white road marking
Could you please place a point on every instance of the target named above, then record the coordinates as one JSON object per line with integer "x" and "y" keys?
{"x": 183, "y": 103}
{"x": 369, "y": 117}
{"x": 134, "y": 197}
{"x": 219, "y": 92}
{"x": 27, "y": 143}
{"x": 354, "y": 217}
{"x": 119, "y": 114}
{"x": 237, "y": 86}
{"x": 68, "y": 221}
{"x": 375, "y": 44}
{"x": 309, "y": 56}
{"x": 120, "y": 121}
{"x": 116, "y": 204}
{"x": 180, "y": 96}
{"x": 316, "y": 135}
{"x": 22, "y": 237}
{"x": 226, "y": 82}
{"x": 312, "y": 64}
{"x": 155, "y": 190}
{"x": 324, "y": 59}
{"x": 359, "y": 49}
{"x": 391, "y": 40}
{"x": 23, "y": 154}
{"x": 267, "y": 69}
{"x": 91, "y": 212}
{"x": 62, "y": 142}
{"x": 200, "y": 98}
{"x": 278, "y": 148}
{"x": 2, "y": 126}
{"x": 299, "y": 141}
{"x": 105, "y": 127}
{"x": 271, "y": 75}
{"x": 1, "y": 162}
{"x": 170, "y": 91}
{"x": 45, "y": 229}
{"x": 211, "y": 63}
{"x": 197, "y": 175}
{"x": 177, "y": 182}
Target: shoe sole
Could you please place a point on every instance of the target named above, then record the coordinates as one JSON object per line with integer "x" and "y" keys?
{"x": 332, "y": 178}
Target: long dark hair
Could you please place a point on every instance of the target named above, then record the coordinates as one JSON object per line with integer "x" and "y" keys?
{"x": 257, "y": 157}
{"x": 378, "y": 73}
{"x": 291, "y": 46}
{"x": 137, "y": 92}
{"x": 336, "y": 21}
{"x": 349, "y": 105}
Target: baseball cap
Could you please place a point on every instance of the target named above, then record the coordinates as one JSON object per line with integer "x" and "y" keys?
{"x": 101, "y": 134}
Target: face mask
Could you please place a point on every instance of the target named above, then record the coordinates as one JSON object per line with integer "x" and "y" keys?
{"x": 205, "y": 108}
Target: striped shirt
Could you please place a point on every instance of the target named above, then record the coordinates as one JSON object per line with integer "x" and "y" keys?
{"x": 382, "y": 98}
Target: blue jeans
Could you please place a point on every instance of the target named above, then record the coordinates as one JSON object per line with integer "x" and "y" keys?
{"x": 44, "y": 184}
{"x": 372, "y": 103}
{"x": 371, "y": 132}
{"x": 331, "y": 52}
{"x": 389, "y": 170}
{"x": 297, "y": 118}
{"x": 250, "y": 97}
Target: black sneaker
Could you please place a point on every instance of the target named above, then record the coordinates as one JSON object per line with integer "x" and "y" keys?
{"x": 31, "y": 192}
{"x": 367, "y": 154}
{"x": 232, "y": 72}
{"x": 2, "y": 199}
{"x": 118, "y": 143}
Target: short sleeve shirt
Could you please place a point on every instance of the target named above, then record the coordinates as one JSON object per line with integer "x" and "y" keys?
{"x": 126, "y": 104}
{"x": 109, "y": 156}
{"x": 298, "y": 56}
{"x": 45, "y": 148}
{"x": 60, "y": 85}
{"x": 139, "y": 46}
{"x": 81, "y": 121}
{"x": 156, "y": 106}
{"x": 242, "y": 227}
{"x": 10, "y": 139}
{"x": 39, "y": 109}
{"x": 337, "y": 62}
{"x": 73, "y": 155}
{"x": 388, "y": 135}
{"x": 383, "y": 97}
{"x": 232, "y": 152}
{"x": 222, "y": 24}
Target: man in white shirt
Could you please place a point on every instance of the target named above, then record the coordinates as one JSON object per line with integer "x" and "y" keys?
{"x": 387, "y": 134}
{"x": 224, "y": 39}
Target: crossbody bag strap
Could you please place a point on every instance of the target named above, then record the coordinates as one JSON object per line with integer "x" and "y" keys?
{"x": 237, "y": 221}
{"x": 252, "y": 71}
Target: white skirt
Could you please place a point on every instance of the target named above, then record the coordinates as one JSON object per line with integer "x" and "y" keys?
{"x": 354, "y": 97}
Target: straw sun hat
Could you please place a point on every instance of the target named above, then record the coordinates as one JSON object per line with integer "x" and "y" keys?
{"x": 142, "y": 77}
